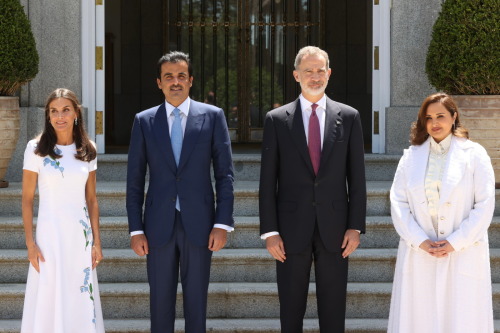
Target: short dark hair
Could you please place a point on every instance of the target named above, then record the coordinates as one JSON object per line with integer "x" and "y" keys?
{"x": 175, "y": 57}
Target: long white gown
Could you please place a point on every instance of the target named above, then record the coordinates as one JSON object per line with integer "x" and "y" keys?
{"x": 64, "y": 296}
{"x": 438, "y": 195}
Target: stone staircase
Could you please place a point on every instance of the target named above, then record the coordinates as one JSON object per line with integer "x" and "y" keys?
{"x": 242, "y": 293}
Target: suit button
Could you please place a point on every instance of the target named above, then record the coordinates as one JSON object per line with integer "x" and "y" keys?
{"x": 316, "y": 184}
{"x": 178, "y": 178}
{"x": 443, "y": 218}
{"x": 314, "y": 203}
{"x": 448, "y": 204}
{"x": 174, "y": 199}
{"x": 441, "y": 232}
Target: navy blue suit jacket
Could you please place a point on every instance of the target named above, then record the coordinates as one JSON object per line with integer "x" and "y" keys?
{"x": 206, "y": 141}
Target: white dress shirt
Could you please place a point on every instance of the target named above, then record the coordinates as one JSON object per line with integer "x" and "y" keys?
{"x": 434, "y": 174}
{"x": 305, "y": 105}
{"x": 184, "y": 112}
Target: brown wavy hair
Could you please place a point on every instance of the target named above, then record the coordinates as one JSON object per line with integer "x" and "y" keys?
{"x": 85, "y": 150}
{"x": 418, "y": 133}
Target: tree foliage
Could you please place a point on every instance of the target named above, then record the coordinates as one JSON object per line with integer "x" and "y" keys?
{"x": 18, "y": 54}
{"x": 464, "y": 54}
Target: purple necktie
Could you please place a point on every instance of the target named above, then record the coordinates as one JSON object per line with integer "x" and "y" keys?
{"x": 314, "y": 139}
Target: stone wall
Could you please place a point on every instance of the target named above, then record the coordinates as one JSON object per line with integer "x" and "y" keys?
{"x": 397, "y": 127}
{"x": 481, "y": 116}
{"x": 411, "y": 29}
{"x": 56, "y": 26}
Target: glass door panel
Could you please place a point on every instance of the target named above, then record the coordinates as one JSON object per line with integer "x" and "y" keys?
{"x": 242, "y": 53}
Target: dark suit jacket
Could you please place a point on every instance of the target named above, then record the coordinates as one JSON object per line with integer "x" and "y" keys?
{"x": 292, "y": 198}
{"x": 206, "y": 141}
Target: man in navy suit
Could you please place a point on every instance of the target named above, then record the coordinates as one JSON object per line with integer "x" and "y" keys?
{"x": 312, "y": 195}
{"x": 181, "y": 226}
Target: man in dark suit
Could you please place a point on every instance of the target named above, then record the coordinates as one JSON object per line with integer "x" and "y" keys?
{"x": 178, "y": 141}
{"x": 312, "y": 197}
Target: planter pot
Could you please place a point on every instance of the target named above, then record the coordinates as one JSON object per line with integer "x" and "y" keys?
{"x": 481, "y": 116}
{"x": 9, "y": 133}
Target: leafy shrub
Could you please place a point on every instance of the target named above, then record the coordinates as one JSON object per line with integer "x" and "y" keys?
{"x": 18, "y": 54}
{"x": 464, "y": 54}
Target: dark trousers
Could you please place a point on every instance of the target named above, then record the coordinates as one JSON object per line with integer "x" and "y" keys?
{"x": 163, "y": 271}
{"x": 331, "y": 283}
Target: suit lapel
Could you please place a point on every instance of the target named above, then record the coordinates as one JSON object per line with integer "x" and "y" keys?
{"x": 296, "y": 126}
{"x": 416, "y": 172}
{"x": 332, "y": 121}
{"x": 194, "y": 124}
{"x": 161, "y": 133}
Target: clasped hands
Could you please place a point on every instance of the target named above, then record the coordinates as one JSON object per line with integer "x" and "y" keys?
{"x": 437, "y": 249}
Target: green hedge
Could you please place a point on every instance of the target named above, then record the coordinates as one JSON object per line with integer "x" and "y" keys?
{"x": 464, "y": 53}
{"x": 18, "y": 54}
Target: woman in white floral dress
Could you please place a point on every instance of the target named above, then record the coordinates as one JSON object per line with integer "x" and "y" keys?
{"x": 62, "y": 295}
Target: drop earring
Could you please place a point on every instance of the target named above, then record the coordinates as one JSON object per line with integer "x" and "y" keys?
{"x": 76, "y": 121}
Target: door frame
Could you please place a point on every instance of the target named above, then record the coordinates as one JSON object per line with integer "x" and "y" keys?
{"x": 93, "y": 93}
{"x": 381, "y": 72}
{"x": 93, "y": 88}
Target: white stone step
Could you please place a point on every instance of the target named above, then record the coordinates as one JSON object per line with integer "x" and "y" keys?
{"x": 228, "y": 265}
{"x": 113, "y": 167}
{"x": 247, "y": 325}
{"x": 380, "y": 233}
{"x": 225, "y": 300}
{"x": 111, "y": 197}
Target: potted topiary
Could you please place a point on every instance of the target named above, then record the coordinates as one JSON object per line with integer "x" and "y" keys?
{"x": 18, "y": 65}
{"x": 463, "y": 60}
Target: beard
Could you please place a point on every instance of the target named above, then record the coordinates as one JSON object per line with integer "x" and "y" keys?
{"x": 316, "y": 90}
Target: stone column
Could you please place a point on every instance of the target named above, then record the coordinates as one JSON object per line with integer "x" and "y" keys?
{"x": 411, "y": 29}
